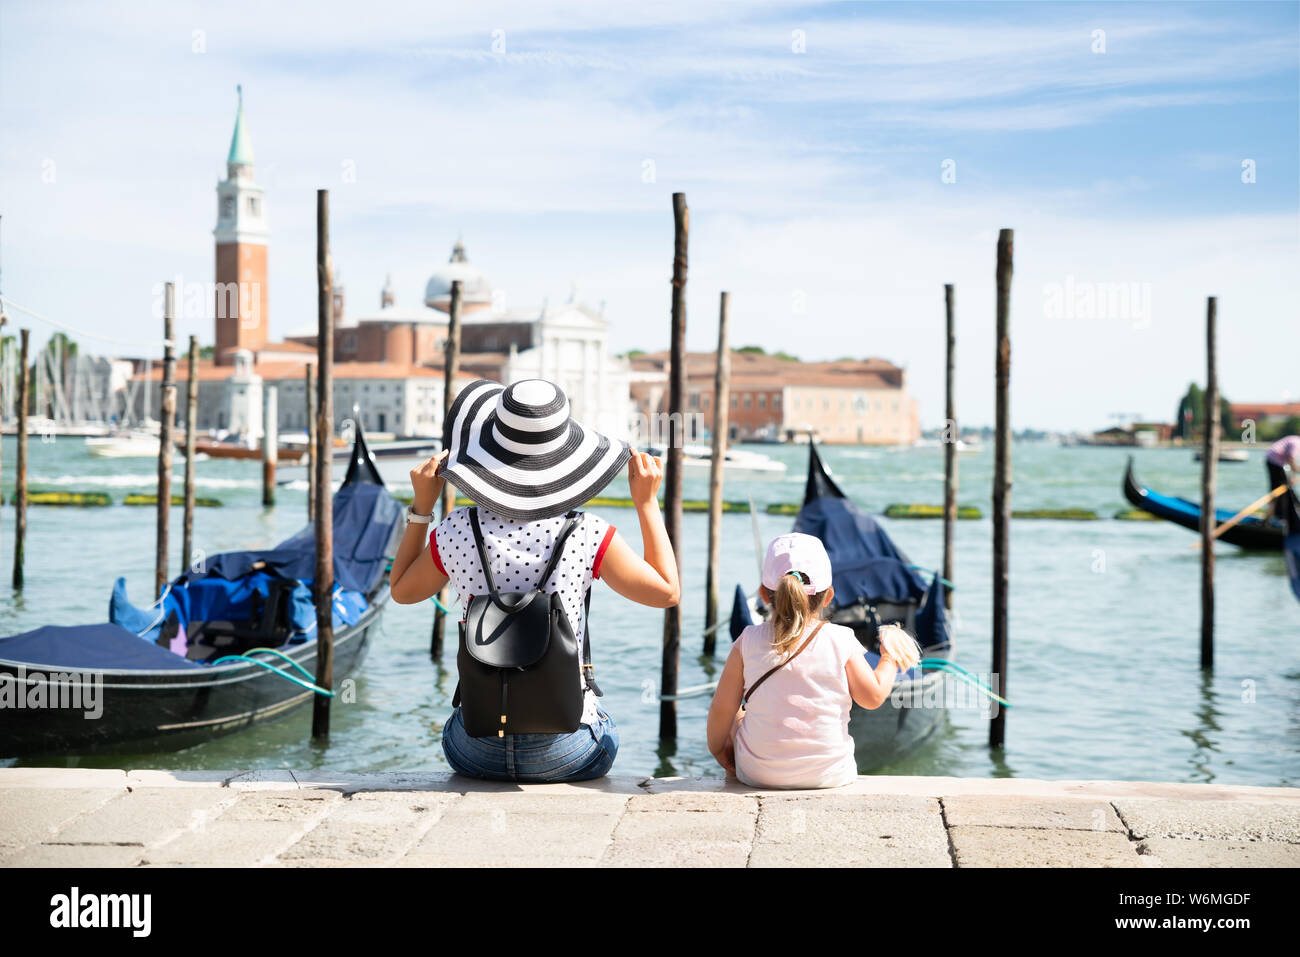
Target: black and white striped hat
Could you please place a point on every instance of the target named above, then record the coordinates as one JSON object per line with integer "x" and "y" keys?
{"x": 516, "y": 451}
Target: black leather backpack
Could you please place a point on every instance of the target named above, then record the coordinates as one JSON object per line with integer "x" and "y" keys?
{"x": 518, "y": 657}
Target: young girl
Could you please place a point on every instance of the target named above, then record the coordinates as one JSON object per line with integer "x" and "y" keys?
{"x": 794, "y": 733}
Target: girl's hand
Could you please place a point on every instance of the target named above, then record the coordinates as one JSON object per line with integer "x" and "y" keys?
{"x": 426, "y": 483}
{"x": 644, "y": 473}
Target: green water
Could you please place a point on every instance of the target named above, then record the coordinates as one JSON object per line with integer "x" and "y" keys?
{"x": 1104, "y": 637}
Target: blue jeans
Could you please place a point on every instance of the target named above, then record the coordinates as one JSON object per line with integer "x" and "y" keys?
{"x": 580, "y": 755}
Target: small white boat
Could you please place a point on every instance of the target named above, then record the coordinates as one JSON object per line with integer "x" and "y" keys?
{"x": 124, "y": 445}
{"x": 698, "y": 460}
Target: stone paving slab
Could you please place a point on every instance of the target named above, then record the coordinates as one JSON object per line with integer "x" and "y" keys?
{"x": 989, "y": 810}
{"x": 67, "y": 817}
{"x": 370, "y": 828}
{"x": 1180, "y": 852}
{"x": 836, "y": 830}
{"x": 1220, "y": 820}
{"x": 502, "y": 829}
{"x": 977, "y": 846}
{"x": 32, "y": 815}
{"x": 146, "y": 816}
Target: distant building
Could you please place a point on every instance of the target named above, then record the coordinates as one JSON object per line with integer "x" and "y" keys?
{"x": 850, "y": 401}
{"x": 1263, "y": 412}
{"x": 389, "y": 361}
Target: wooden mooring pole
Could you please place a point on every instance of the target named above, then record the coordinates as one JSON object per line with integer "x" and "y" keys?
{"x": 1209, "y": 476}
{"x": 191, "y": 427}
{"x": 721, "y": 391}
{"x": 450, "y": 369}
{"x": 270, "y": 442}
{"x": 1002, "y": 485}
{"x": 20, "y": 475}
{"x": 673, "y": 472}
{"x": 166, "y": 420}
{"x": 309, "y": 390}
{"x": 950, "y": 437}
{"x": 324, "y": 582}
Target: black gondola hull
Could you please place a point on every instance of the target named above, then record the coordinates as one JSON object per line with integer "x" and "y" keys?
{"x": 1251, "y": 533}
{"x": 149, "y": 711}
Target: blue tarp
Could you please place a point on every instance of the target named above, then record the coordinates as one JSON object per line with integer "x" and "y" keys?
{"x": 866, "y": 565}
{"x": 366, "y": 516}
{"x": 219, "y": 599}
{"x": 100, "y": 647}
{"x": 932, "y": 619}
{"x": 1291, "y": 549}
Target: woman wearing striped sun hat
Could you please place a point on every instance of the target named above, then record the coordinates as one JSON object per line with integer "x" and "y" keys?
{"x": 516, "y": 452}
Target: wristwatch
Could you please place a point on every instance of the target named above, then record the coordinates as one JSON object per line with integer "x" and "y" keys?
{"x": 414, "y": 517}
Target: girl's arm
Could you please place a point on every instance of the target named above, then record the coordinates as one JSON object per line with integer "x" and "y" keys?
{"x": 870, "y": 689}
{"x": 722, "y": 712}
{"x": 414, "y": 576}
{"x": 652, "y": 579}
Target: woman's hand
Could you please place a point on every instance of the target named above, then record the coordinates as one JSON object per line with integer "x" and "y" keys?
{"x": 426, "y": 483}
{"x": 644, "y": 473}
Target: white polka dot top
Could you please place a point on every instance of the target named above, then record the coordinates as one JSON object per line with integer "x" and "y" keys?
{"x": 519, "y": 552}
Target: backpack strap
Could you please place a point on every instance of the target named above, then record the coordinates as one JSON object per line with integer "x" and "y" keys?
{"x": 754, "y": 687}
{"x": 588, "y": 669}
{"x": 557, "y": 550}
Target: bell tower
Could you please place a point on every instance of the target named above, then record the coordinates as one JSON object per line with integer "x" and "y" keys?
{"x": 241, "y": 239}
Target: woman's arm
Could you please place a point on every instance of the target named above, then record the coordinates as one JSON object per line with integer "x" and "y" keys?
{"x": 722, "y": 712}
{"x": 652, "y": 579}
{"x": 414, "y": 576}
{"x": 870, "y": 689}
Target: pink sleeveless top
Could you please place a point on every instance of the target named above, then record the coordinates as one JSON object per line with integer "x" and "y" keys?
{"x": 796, "y": 728}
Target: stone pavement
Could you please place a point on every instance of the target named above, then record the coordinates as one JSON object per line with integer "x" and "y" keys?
{"x": 65, "y": 817}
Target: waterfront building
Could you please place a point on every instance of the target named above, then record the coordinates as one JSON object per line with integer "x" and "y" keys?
{"x": 774, "y": 399}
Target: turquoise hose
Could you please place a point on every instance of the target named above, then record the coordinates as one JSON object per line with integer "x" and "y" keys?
{"x": 310, "y": 686}
{"x": 946, "y": 584}
{"x": 441, "y": 607}
{"x": 957, "y": 671}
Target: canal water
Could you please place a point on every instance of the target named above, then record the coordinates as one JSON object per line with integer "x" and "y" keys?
{"x": 1104, "y": 635}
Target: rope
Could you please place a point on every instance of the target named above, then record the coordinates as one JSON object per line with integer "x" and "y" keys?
{"x": 6, "y": 301}
{"x": 946, "y": 584}
{"x": 696, "y": 691}
{"x": 162, "y": 612}
{"x": 957, "y": 671}
{"x": 310, "y": 686}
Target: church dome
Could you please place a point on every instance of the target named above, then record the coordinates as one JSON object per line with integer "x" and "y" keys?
{"x": 475, "y": 289}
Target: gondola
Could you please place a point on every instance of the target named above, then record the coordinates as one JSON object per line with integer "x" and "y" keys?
{"x": 1291, "y": 544}
{"x": 875, "y": 584}
{"x": 190, "y": 667}
{"x": 1252, "y": 532}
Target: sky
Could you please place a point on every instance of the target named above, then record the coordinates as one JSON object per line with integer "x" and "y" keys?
{"x": 841, "y": 163}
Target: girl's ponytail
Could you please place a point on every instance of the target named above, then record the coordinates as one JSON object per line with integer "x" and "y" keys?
{"x": 791, "y": 609}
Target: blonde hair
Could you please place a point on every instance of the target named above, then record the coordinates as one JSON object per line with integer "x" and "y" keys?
{"x": 897, "y": 644}
{"x": 792, "y": 608}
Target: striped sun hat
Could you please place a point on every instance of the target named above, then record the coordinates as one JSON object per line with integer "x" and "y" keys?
{"x": 516, "y": 452}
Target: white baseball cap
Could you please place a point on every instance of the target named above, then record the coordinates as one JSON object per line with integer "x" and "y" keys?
{"x": 797, "y": 552}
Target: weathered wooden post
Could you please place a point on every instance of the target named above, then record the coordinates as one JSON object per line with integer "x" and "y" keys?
{"x": 270, "y": 442}
{"x": 950, "y": 437}
{"x": 324, "y": 580}
{"x": 673, "y": 473}
{"x": 309, "y": 390}
{"x": 166, "y": 419}
{"x": 721, "y": 391}
{"x": 450, "y": 369}
{"x": 1209, "y": 475}
{"x": 1002, "y": 485}
{"x": 191, "y": 427}
{"x": 20, "y": 477}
